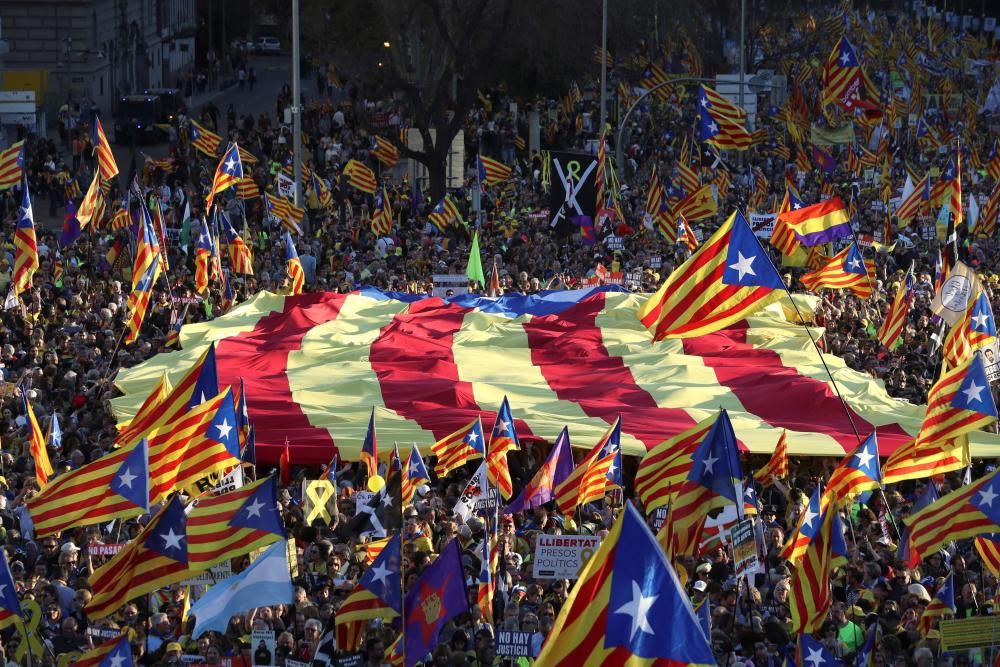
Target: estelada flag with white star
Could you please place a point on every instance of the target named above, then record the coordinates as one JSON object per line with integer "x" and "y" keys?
{"x": 729, "y": 278}
{"x": 848, "y": 269}
{"x": 378, "y": 594}
{"x": 958, "y": 403}
{"x": 10, "y": 604}
{"x": 970, "y": 511}
{"x": 116, "y": 652}
{"x": 156, "y": 558}
{"x": 715, "y": 480}
{"x": 232, "y": 524}
{"x": 228, "y": 173}
{"x": 858, "y": 472}
{"x": 199, "y": 443}
{"x": 628, "y": 607}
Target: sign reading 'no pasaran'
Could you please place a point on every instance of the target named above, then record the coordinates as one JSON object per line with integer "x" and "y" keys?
{"x": 563, "y": 556}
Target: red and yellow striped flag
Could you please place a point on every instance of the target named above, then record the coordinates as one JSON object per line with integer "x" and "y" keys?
{"x": 729, "y": 278}
{"x": 360, "y": 176}
{"x": 846, "y": 270}
{"x": 25, "y": 245}
{"x": 810, "y": 593}
{"x": 106, "y": 164}
{"x": 666, "y": 465}
{"x": 156, "y": 558}
{"x": 590, "y": 476}
{"x": 777, "y": 466}
{"x": 455, "y": 450}
{"x": 968, "y": 512}
{"x": 11, "y": 165}
{"x": 890, "y": 334}
{"x": 36, "y": 444}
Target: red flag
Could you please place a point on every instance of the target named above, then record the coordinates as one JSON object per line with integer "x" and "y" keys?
{"x": 285, "y": 466}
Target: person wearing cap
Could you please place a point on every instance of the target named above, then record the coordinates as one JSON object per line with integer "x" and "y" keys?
{"x": 172, "y": 654}
{"x": 699, "y": 590}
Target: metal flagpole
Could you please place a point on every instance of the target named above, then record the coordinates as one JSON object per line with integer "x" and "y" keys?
{"x": 819, "y": 352}
{"x": 604, "y": 65}
{"x": 296, "y": 109}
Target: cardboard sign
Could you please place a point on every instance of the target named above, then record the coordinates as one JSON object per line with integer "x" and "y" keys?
{"x": 656, "y": 261}
{"x": 457, "y": 282}
{"x": 262, "y": 644}
{"x": 352, "y": 660}
{"x": 513, "y": 644}
{"x": 563, "y": 556}
{"x": 613, "y": 242}
{"x": 660, "y": 517}
{"x": 214, "y": 575}
{"x": 744, "y": 548}
{"x": 234, "y": 480}
{"x": 762, "y": 224}
{"x": 104, "y": 549}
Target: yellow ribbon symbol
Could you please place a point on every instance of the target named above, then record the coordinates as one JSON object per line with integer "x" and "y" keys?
{"x": 573, "y": 168}
{"x": 27, "y": 625}
{"x": 318, "y": 492}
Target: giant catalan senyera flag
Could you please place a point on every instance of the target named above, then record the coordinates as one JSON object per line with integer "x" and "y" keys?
{"x": 430, "y": 367}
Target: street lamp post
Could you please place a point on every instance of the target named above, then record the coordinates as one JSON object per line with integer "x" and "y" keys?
{"x": 296, "y": 104}
{"x": 619, "y": 151}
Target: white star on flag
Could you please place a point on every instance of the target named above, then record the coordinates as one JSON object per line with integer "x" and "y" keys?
{"x": 744, "y": 265}
{"x": 974, "y": 392}
{"x": 254, "y": 508}
{"x": 638, "y": 608}
{"x": 224, "y": 429}
{"x": 864, "y": 458}
{"x": 172, "y": 540}
{"x": 126, "y": 478}
{"x": 380, "y": 573}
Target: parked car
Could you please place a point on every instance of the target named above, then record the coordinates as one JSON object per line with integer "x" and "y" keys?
{"x": 268, "y": 45}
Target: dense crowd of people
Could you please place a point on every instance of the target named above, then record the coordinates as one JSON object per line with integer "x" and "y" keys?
{"x": 62, "y": 346}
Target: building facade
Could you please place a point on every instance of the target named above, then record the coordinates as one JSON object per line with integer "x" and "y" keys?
{"x": 96, "y": 50}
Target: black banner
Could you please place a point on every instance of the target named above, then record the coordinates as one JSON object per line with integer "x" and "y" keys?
{"x": 573, "y": 189}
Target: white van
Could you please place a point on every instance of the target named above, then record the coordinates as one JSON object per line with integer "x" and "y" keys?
{"x": 268, "y": 45}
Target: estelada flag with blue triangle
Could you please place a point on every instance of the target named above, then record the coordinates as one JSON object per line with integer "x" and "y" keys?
{"x": 848, "y": 269}
{"x": 369, "y": 449}
{"x": 858, "y": 472}
{"x": 601, "y": 466}
{"x": 10, "y": 604}
{"x": 116, "y": 652}
{"x": 714, "y": 481}
{"x": 812, "y": 653}
{"x": 542, "y": 488}
{"x": 727, "y": 279}
{"x": 156, "y": 558}
{"x": 810, "y": 593}
{"x": 503, "y": 439}
{"x": 971, "y": 511}
{"x": 806, "y": 529}
{"x": 414, "y": 474}
{"x": 378, "y": 594}
{"x": 940, "y": 606}
{"x": 958, "y": 403}
{"x": 627, "y": 608}
{"x": 232, "y": 524}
